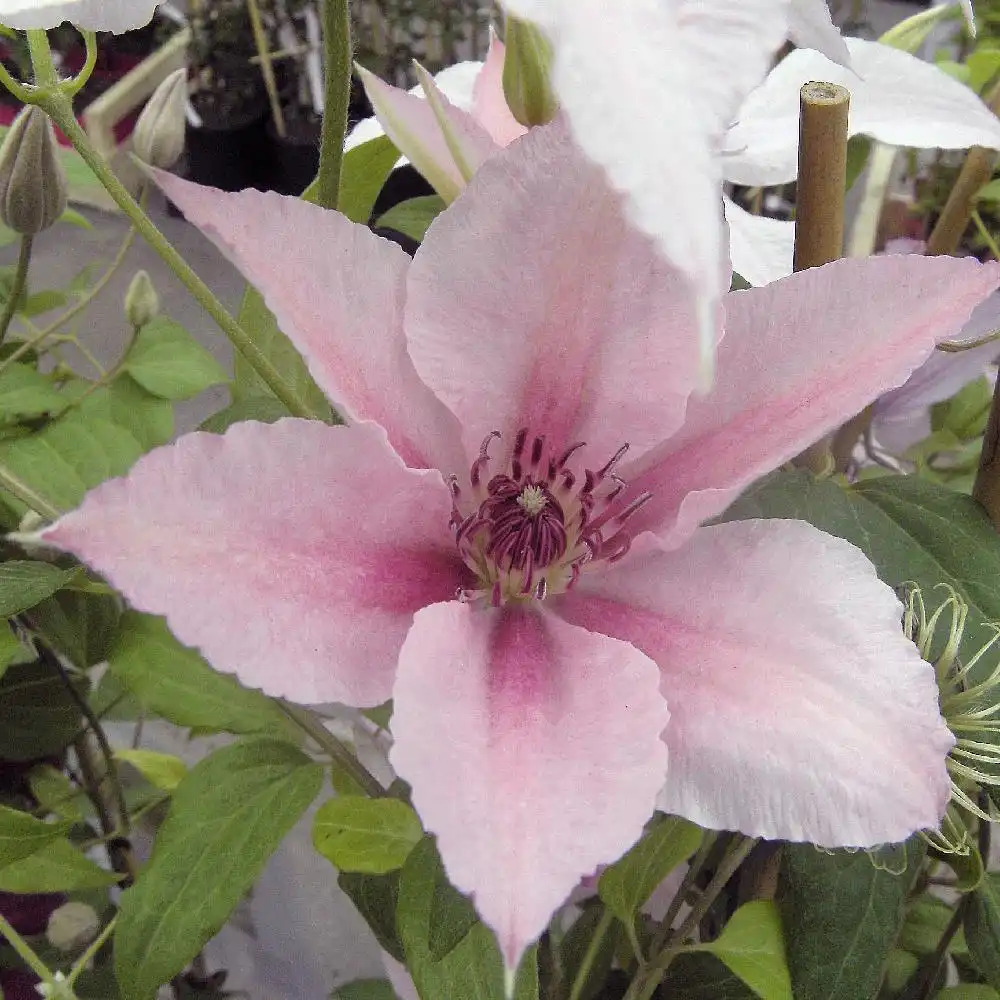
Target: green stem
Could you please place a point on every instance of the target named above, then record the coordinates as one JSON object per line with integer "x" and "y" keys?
{"x": 17, "y": 286}
{"x": 977, "y": 220}
{"x": 590, "y": 955}
{"x": 24, "y": 950}
{"x": 337, "y": 65}
{"x": 27, "y": 495}
{"x": 709, "y": 840}
{"x": 645, "y": 983}
{"x": 41, "y": 58}
{"x": 955, "y": 346}
{"x": 18, "y": 89}
{"x": 74, "y": 86}
{"x": 266, "y": 67}
{"x": 80, "y": 965}
{"x": 313, "y": 726}
{"x": 58, "y": 108}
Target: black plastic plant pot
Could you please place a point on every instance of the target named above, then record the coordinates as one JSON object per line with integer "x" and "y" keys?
{"x": 232, "y": 156}
{"x": 295, "y": 155}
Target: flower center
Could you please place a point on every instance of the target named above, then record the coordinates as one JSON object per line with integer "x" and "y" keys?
{"x": 530, "y": 529}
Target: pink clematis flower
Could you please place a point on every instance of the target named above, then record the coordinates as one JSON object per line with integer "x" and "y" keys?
{"x": 505, "y": 538}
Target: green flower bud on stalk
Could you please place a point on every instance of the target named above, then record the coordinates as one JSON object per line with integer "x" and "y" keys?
{"x": 142, "y": 304}
{"x": 526, "y": 66}
{"x": 72, "y": 926}
{"x": 158, "y": 137}
{"x": 32, "y": 180}
{"x": 971, "y": 709}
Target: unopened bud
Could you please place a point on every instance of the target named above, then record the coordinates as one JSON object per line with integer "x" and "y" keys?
{"x": 158, "y": 137}
{"x": 32, "y": 180}
{"x": 141, "y": 301}
{"x": 72, "y": 927}
{"x": 526, "y": 66}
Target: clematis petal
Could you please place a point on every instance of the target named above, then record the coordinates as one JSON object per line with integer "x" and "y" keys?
{"x": 513, "y": 326}
{"x": 799, "y": 357}
{"x": 489, "y": 105}
{"x": 810, "y": 26}
{"x": 337, "y": 293}
{"x": 798, "y": 710}
{"x": 443, "y": 142}
{"x": 93, "y": 15}
{"x": 292, "y": 554}
{"x": 760, "y": 248}
{"x": 500, "y": 719}
{"x": 895, "y": 98}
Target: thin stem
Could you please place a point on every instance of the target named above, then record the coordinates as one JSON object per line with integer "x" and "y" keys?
{"x": 311, "y": 724}
{"x": 96, "y": 945}
{"x": 58, "y": 108}
{"x": 694, "y": 870}
{"x": 924, "y": 986}
{"x": 645, "y": 983}
{"x": 18, "y": 89}
{"x": 977, "y": 220}
{"x": 819, "y": 199}
{"x": 17, "y": 286}
{"x": 955, "y": 346}
{"x": 24, "y": 950}
{"x": 590, "y": 955}
{"x": 23, "y": 492}
{"x": 266, "y": 67}
{"x": 337, "y": 65}
{"x": 74, "y": 86}
{"x": 41, "y": 58}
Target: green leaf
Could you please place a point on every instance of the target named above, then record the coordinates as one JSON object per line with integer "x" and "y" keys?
{"x": 452, "y": 917}
{"x": 363, "y": 174}
{"x": 174, "y": 682}
{"x": 375, "y": 897}
{"x": 912, "y": 530}
{"x": 989, "y": 192}
{"x": 24, "y": 584}
{"x": 703, "y": 977}
{"x": 968, "y": 991}
{"x": 629, "y": 882}
{"x": 69, "y": 456}
{"x": 982, "y": 927}
{"x": 968, "y": 868}
{"x": 365, "y": 989}
{"x": 56, "y": 793}
{"x": 43, "y": 302}
{"x": 167, "y": 361}
{"x": 26, "y": 392}
{"x": 262, "y": 328}
{"x": 57, "y": 867}
{"x": 266, "y": 409}
{"x": 575, "y": 948}
{"x": 925, "y": 923}
{"x": 374, "y": 836}
{"x": 859, "y": 148}
{"x": 147, "y": 417}
{"x": 753, "y": 946}
{"x": 38, "y": 716}
{"x": 413, "y": 216}
{"x": 162, "y": 770}
{"x": 81, "y": 626}
{"x": 841, "y": 914}
{"x": 473, "y": 969}
{"x": 912, "y": 31}
{"x": 226, "y": 819}
{"x": 21, "y": 835}
{"x": 966, "y": 413}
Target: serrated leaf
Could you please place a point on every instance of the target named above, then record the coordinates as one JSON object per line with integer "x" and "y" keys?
{"x": 363, "y": 174}
{"x": 364, "y": 989}
{"x": 982, "y": 927}
{"x": 26, "y": 392}
{"x": 841, "y": 915}
{"x": 266, "y": 409}
{"x": 69, "y": 456}
{"x": 167, "y": 361}
{"x": 38, "y": 716}
{"x": 57, "y": 867}
{"x": 175, "y": 683}
{"x": 24, "y": 584}
{"x": 372, "y": 836}
{"x": 752, "y": 944}
{"x": 226, "y": 819}
{"x": 147, "y": 417}
{"x": 21, "y": 835}
{"x": 162, "y": 770}
{"x": 413, "y": 216}
{"x": 473, "y": 969}
{"x": 629, "y": 882}
{"x": 911, "y": 529}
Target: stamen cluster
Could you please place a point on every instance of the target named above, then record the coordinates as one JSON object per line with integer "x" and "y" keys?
{"x": 530, "y": 529}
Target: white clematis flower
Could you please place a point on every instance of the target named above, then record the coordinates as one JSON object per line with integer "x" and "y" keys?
{"x": 93, "y": 15}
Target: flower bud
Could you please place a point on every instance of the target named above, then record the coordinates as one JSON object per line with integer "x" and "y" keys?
{"x": 32, "y": 180}
{"x": 72, "y": 927}
{"x": 158, "y": 137}
{"x": 526, "y": 66}
{"x": 141, "y": 301}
